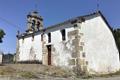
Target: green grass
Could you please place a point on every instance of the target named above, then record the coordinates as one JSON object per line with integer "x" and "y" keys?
{"x": 27, "y": 75}
{"x": 7, "y": 71}
{"x": 102, "y": 75}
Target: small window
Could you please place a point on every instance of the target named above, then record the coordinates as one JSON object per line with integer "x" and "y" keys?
{"x": 82, "y": 19}
{"x": 63, "y": 34}
{"x": 41, "y": 37}
{"x": 49, "y": 37}
{"x": 38, "y": 25}
{"x": 22, "y": 39}
{"x": 75, "y": 25}
{"x": 32, "y": 37}
{"x": 33, "y": 24}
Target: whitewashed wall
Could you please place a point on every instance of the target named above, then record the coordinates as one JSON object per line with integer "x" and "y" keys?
{"x": 1, "y": 58}
{"x": 25, "y": 48}
{"x": 61, "y": 56}
{"x": 100, "y": 48}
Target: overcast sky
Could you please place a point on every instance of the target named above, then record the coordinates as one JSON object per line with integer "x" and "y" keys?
{"x": 53, "y": 12}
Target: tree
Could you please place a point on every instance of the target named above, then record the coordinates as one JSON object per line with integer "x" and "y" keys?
{"x": 117, "y": 37}
{"x": 2, "y": 33}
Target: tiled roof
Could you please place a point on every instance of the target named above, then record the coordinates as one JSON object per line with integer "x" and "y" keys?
{"x": 98, "y": 13}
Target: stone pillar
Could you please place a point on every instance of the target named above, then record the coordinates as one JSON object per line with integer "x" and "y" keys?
{"x": 78, "y": 63}
{"x": 16, "y": 57}
{"x": 44, "y": 52}
{"x": 1, "y": 58}
{"x": 74, "y": 61}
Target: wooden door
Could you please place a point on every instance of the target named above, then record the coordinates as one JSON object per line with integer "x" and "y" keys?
{"x": 49, "y": 54}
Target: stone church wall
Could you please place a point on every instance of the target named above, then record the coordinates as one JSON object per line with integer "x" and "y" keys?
{"x": 30, "y": 49}
{"x": 101, "y": 53}
{"x": 89, "y": 46}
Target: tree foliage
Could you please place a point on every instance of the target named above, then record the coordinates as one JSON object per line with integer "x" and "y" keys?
{"x": 117, "y": 37}
{"x": 2, "y": 33}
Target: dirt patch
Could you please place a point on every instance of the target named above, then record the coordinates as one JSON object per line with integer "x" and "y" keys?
{"x": 33, "y": 71}
{"x": 5, "y": 70}
{"x": 27, "y": 75}
{"x": 41, "y": 72}
{"x": 56, "y": 72}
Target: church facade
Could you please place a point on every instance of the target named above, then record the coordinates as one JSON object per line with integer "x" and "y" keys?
{"x": 84, "y": 43}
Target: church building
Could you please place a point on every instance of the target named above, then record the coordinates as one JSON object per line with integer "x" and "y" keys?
{"x": 85, "y": 43}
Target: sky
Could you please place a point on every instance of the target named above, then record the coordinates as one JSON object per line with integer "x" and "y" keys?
{"x": 13, "y": 15}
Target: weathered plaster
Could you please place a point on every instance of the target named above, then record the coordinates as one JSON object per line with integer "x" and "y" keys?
{"x": 25, "y": 49}
{"x": 1, "y": 58}
{"x": 89, "y": 47}
{"x": 99, "y": 45}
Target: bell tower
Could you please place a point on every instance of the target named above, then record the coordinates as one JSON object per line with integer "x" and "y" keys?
{"x": 34, "y": 22}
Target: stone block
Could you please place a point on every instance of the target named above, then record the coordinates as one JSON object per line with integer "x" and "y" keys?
{"x": 74, "y": 54}
{"x": 83, "y": 55}
{"x": 82, "y": 43}
{"x": 73, "y": 33}
{"x": 86, "y": 62}
{"x": 84, "y": 69}
{"x": 81, "y": 34}
{"x": 82, "y": 62}
{"x": 45, "y": 59}
{"x": 78, "y": 37}
{"x": 72, "y": 62}
{"x": 75, "y": 42}
{"x": 77, "y": 70}
{"x": 81, "y": 48}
